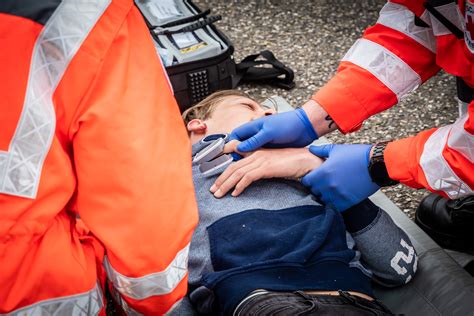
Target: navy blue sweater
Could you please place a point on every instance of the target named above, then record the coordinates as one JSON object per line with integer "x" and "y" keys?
{"x": 275, "y": 236}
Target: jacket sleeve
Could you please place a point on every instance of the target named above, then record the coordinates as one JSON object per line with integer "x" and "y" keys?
{"x": 385, "y": 248}
{"x": 441, "y": 160}
{"x": 133, "y": 162}
{"x": 392, "y": 58}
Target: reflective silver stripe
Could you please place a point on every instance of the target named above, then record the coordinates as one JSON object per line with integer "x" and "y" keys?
{"x": 461, "y": 140}
{"x": 462, "y": 107}
{"x": 398, "y": 17}
{"x": 451, "y": 12}
{"x": 385, "y": 65}
{"x": 131, "y": 312}
{"x": 88, "y": 303}
{"x": 61, "y": 37}
{"x": 158, "y": 283}
{"x": 437, "y": 171}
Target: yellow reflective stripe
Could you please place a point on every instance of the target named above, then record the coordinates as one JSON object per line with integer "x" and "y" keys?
{"x": 158, "y": 283}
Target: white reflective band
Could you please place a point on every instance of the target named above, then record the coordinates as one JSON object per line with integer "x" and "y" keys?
{"x": 461, "y": 140}
{"x": 89, "y": 303}
{"x": 158, "y": 283}
{"x": 462, "y": 107}
{"x": 398, "y": 17}
{"x": 61, "y": 37}
{"x": 385, "y": 65}
{"x": 451, "y": 12}
{"x": 437, "y": 171}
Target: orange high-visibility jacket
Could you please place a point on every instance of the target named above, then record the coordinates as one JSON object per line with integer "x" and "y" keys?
{"x": 406, "y": 47}
{"x": 95, "y": 162}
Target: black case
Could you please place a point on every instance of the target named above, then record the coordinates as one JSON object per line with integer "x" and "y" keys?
{"x": 193, "y": 81}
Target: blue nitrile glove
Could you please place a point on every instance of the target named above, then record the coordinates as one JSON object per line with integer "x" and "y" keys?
{"x": 288, "y": 129}
{"x": 343, "y": 180}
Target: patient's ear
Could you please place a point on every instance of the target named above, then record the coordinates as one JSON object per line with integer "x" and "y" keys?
{"x": 197, "y": 126}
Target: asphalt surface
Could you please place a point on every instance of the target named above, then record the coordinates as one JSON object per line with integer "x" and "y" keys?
{"x": 311, "y": 37}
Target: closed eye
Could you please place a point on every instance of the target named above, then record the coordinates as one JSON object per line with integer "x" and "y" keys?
{"x": 250, "y": 106}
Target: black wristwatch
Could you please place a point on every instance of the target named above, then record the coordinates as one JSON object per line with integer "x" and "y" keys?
{"x": 377, "y": 169}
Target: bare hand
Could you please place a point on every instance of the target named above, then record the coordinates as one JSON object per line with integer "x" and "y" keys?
{"x": 289, "y": 163}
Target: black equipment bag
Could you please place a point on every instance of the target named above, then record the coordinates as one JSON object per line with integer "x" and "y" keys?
{"x": 198, "y": 57}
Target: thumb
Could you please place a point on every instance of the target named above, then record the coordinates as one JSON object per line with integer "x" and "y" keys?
{"x": 322, "y": 151}
{"x": 254, "y": 142}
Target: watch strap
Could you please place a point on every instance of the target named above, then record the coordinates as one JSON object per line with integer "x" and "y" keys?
{"x": 377, "y": 168}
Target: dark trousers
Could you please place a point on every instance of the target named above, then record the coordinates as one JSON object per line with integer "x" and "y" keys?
{"x": 262, "y": 302}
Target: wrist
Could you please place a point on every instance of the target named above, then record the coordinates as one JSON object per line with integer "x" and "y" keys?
{"x": 319, "y": 118}
{"x": 307, "y": 123}
{"x": 308, "y": 162}
{"x": 377, "y": 168}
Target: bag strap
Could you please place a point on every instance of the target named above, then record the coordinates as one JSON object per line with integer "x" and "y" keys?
{"x": 443, "y": 20}
{"x": 185, "y": 20}
{"x": 250, "y": 70}
{"x": 191, "y": 27}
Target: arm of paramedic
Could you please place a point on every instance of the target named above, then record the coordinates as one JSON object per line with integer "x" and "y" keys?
{"x": 440, "y": 160}
{"x": 392, "y": 58}
{"x": 289, "y": 163}
{"x": 385, "y": 249}
{"x": 132, "y": 158}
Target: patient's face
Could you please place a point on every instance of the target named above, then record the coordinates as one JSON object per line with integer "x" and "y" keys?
{"x": 233, "y": 112}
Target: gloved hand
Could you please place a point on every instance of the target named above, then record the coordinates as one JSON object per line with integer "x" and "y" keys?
{"x": 343, "y": 180}
{"x": 288, "y": 129}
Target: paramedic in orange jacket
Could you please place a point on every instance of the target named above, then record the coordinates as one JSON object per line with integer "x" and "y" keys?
{"x": 94, "y": 162}
{"x": 410, "y": 42}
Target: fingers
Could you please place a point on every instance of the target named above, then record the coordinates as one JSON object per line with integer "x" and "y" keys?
{"x": 310, "y": 181}
{"x": 322, "y": 151}
{"x": 231, "y": 147}
{"x": 317, "y": 184}
{"x": 254, "y": 142}
{"x": 235, "y": 176}
{"x": 249, "y": 178}
{"x": 229, "y": 172}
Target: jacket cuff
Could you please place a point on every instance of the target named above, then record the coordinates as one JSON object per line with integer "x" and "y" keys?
{"x": 352, "y": 96}
{"x": 336, "y": 100}
{"x": 360, "y": 216}
{"x": 402, "y": 160}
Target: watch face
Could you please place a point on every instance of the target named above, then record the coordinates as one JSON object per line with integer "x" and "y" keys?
{"x": 379, "y": 174}
{"x": 378, "y": 171}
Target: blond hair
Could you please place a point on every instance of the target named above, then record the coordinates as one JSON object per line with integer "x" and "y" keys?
{"x": 203, "y": 110}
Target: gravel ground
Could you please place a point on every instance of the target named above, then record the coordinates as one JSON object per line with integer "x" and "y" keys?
{"x": 311, "y": 37}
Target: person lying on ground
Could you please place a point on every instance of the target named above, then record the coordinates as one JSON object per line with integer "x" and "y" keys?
{"x": 274, "y": 250}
